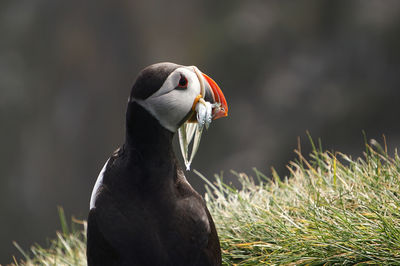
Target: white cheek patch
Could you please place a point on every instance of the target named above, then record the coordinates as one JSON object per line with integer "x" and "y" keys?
{"x": 169, "y": 109}
{"x": 170, "y": 105}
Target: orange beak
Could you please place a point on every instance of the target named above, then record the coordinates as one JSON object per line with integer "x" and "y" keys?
{"x": 222, "y": 109}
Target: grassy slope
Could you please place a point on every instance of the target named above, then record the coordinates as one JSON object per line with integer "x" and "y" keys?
{"x": 69, "y": 248}
{"x": 332, "y": 209}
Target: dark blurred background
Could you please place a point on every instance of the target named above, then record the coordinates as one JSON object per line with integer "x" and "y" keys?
{"x": 66, "y": 69}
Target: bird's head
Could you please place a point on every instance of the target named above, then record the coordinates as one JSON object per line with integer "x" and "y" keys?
{"x": 170, "y": 93}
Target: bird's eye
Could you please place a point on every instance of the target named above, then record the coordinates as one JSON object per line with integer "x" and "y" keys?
{"x": 182, "y": 82}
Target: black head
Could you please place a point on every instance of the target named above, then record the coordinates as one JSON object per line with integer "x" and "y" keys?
{"x": 169, "y": 91}
{"x": 151, "y": 78}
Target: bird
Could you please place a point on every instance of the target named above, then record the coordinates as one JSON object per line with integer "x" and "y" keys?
{"x": 143, "y": 211}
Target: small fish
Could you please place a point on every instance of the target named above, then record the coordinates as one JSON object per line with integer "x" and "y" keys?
{"x": 189, "y": 130}
{"x": 204, "y": 114}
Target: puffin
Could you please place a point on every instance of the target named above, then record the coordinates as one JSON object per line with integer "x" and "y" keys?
{"x": 143, "y": 211}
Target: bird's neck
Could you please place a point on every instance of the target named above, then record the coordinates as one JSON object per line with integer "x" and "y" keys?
{"x": 147, "y": 141}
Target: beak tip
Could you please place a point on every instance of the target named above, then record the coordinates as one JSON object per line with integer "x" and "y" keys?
{"x": 220, "y": 114}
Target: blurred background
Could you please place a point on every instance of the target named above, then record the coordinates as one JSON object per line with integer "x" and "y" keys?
{"x": 67, "y": 67}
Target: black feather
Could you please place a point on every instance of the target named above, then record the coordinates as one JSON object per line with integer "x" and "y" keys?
{"x": 151, "y": 79}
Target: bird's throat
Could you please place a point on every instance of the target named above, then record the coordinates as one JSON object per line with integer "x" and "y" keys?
{"x": 146, "y": 140}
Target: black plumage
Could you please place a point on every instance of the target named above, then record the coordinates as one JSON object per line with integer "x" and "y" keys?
{"x": 146, "y": 213}
{"x": 151, "y": 79}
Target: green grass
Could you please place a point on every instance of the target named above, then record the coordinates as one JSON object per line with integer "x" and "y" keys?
{"x": 69, "y": 248}
{"x": 332, "y": 209}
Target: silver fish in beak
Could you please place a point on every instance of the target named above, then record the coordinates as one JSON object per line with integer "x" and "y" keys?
{"x": 209, "y": 105}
